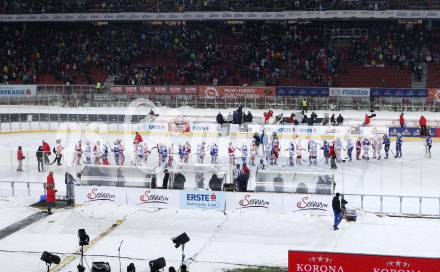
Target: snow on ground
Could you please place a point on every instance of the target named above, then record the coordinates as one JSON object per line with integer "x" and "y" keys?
{"x": 14, "y": 209}
{"x": 218, "y": 241}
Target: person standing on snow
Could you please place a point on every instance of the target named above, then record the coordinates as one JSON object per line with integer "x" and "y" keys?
{"x": 386, "y": 142}
{"x": 337, "y": 211}
{"x": 50, "y": 199}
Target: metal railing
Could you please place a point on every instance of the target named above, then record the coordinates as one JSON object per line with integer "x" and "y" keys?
{"x": 28, "y": 186}
{"x": 88, "y": 99}
{"x": 395, "y": 204}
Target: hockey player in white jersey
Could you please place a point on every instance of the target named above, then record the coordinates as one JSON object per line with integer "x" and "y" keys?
{"x": 291, "y": 151}
{"x": 97, "y": 153}
{"x": 254, "y": 151}
{"x": 298, "y": 149}
{"x": 268, "y": 154}
{"x": 338, "y": 149}
{"x": 244, "y": 153}
{"x": 147, "y": 152}
{"x": 378, "y": 147}
{"x": 313, "y": 152}
{"x": 140, "y": 150}
{"x": 214, "y": 153}
{"x": 231, "y": 151}
{"x": 374, "y": 147}
{"x": 366, "y": 149}
{"x": 201, "y": 152}
{"x": 77, "y": 154}
{"x": 88, "y": 153}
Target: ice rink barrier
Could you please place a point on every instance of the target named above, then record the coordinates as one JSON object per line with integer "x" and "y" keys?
{"x": 221, "y": 201}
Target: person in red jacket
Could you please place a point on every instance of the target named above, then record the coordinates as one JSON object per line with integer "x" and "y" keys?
{"x": 20, "y": 158}
{"x": 422, "y": 123}
{"x": 138, "y": 138}
{"x": 366, "y": 120}
{"x": 50, "y": 199}
{"x": 46, "y": 152}
{"x": 332, "y": 156}
{"x": 50, "y": 181}
{"x": 267, "y": 115}
{"x": 401, "y": 120}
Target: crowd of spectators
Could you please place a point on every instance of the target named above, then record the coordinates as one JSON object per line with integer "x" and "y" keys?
{"x": 192, "y": 53}
{"x": 55, "y": 6}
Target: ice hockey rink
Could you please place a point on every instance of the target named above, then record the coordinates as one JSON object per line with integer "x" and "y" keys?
{"x": 218, "y": 240}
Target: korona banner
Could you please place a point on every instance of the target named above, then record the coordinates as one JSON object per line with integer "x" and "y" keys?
{"x": 312, "y": 261}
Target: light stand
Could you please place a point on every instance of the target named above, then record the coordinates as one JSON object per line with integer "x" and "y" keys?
{"x": 119, "y": 256}
{"x": 183, "y": 255}
{"x": 48, "y": 267}
{"x": 80, "y": 266}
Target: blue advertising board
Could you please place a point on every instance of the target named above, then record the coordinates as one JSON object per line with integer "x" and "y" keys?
{"x": 399, "y": 92}
{"x": 202, "y": 200}
{"x": 18, "y": 90}
{"x": 408, "y": 131}
{"x": 302, "y": 91}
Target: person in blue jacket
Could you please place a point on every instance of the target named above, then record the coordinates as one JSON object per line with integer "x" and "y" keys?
{"x": 399, "y": 142}
{"x": 386, "y": 143}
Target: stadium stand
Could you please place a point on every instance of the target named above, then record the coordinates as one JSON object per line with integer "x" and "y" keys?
{"x": 56, "y": 6}
{"x": 314, "y": 54}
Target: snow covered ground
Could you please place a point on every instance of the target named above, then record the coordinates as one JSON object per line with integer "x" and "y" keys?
{"x": 218, "y": 241}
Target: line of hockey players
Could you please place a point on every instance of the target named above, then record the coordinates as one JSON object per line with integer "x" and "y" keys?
{"x": 98, "y": 153}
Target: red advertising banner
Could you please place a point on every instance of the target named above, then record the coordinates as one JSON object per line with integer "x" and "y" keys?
{"x": 236, "y": 91}
{"x": 309, "y": 261}
{"x": 434, "y": 94}
{"x": 162, "y": 90}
